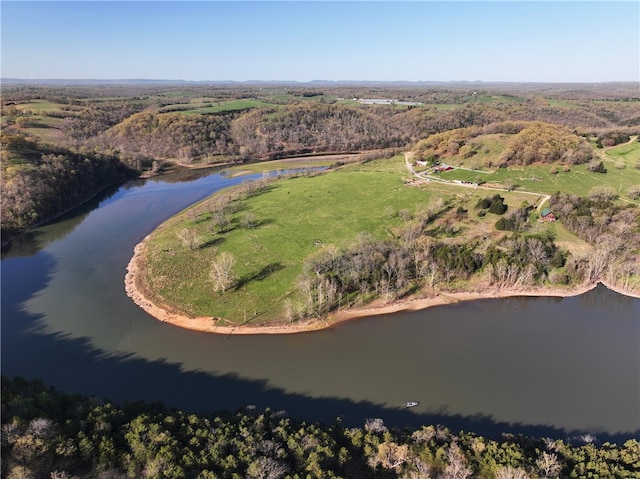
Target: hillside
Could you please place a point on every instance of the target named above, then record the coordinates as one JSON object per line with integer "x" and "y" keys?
{"x": 225, "y": 122}
{"x": 39, "y": 181}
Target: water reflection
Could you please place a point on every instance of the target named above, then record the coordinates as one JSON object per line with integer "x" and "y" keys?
{"x": 31, "y": 242}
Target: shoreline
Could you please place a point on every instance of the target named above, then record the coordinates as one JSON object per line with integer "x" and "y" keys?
{"x": 208, "y": 324}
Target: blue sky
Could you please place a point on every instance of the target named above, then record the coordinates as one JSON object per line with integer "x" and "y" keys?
{"x": 545, "y": 41}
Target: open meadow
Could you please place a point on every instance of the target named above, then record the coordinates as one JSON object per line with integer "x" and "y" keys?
{"x": 292, "y": 219}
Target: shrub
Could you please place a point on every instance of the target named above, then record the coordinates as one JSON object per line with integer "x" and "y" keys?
{"x": 483, "y": 203}
{"x": 504, "y": 224}
{"x": 597, "y": 167}
{"x": 634, "y": 192}
{"x": 497, "y": 205}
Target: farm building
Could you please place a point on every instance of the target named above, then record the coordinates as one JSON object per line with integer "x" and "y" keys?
{"x": 547, "y": 215}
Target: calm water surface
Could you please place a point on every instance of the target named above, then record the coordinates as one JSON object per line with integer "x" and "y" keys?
{"x": 535, "y": 365}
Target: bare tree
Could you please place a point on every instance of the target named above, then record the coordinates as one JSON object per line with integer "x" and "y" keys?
{"x": 267, "y": 468}
{"x": 510, "y": 472}
{"x": 548, "y": 465}
{"x": 375, "y": 425}
{"x": 457, "y": 464}
{"x": 391, "y": 455}
{"x": 220, "y": 221}
{"x": 597, "y": 262}
{"x": 190, "y": 238}
{"x": 427, "y": 268}
{"x": 221, "y": 272}
{"x": 249, "y": 220}
{"x": 40, "y": 427}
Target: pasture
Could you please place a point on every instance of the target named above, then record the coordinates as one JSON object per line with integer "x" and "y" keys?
{"x": 551, "y": 178}
{"x": 290, "y": 221}
{"x": 627, "y": 154}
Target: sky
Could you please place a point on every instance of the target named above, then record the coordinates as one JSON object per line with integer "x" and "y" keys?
{"x": 510, "y": 41}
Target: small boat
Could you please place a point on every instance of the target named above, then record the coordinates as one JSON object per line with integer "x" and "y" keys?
{"x": 411, "y": 403}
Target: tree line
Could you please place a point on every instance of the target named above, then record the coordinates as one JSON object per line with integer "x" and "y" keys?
{"x": 133, "y": 123}
{"x": 53, "y": 435}
{"x": 110, "y": 123}
{"x": 613, "y": 230}
{"x": 39, "y": 181}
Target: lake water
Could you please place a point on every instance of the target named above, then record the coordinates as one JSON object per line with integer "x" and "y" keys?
{"x": 549, "y": 366}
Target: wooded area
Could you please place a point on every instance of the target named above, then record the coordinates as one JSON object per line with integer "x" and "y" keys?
{"x": 48, "y": 434}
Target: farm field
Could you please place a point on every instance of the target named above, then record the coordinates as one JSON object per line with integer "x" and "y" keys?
{"x": 216, "y": 107}
{"x": 484, "y": 166}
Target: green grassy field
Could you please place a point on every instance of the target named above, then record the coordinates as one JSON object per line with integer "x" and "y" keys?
{"x": 538, "y": 178}
{"x": 231, "y": 105}
{"x": 294, "y": 219}
{"x": 44, "y": 127}
{"x": 627, "y": 154}
{"x": 39, "y": 106}
{"x": 561, "y": 103}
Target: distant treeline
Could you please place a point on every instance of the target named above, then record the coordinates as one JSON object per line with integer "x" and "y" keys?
{"x": 48, "y": 434}
{"x": 263, "y": 132}
{"x": 138, "y": 122}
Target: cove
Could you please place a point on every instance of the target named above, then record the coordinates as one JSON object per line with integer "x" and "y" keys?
{"x": 546, "y": 366}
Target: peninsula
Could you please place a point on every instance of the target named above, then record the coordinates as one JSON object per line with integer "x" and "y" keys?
{"x": 308, "y": 251}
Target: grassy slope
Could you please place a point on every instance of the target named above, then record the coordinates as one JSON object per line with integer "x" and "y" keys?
{"x": 42, "y": 126}
{"x": 226, "y": 106}
{"x": 293, "y": 217}
{"x": 627, "y": 154}
{"x": 539, "y": 177}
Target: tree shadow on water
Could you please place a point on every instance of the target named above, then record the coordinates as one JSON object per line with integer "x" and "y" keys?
{"x": 74, "y": 365}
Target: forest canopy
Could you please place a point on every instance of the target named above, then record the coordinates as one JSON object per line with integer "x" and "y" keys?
{"x": 49, "y": 434}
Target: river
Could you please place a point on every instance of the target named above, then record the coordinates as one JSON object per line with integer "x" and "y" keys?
{"x": 547, "y": 366}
